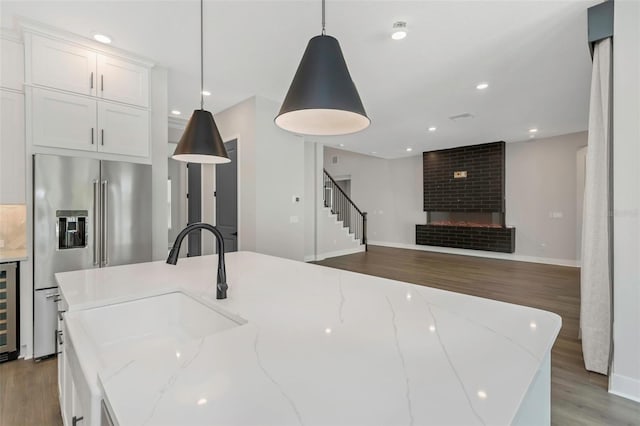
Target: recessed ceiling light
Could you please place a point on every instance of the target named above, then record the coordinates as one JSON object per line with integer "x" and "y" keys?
{"x": 175, "y": 112}
{"x": 482, "y": 394}
{"x": 202, "y": 401}
{"x": 102, "y": 38}
{"x": 482, "y": 86}
{"x": 341, "y": 144}
{"x": 373, "y": 152}
{"x": 206, "y": 93}
{"x": 409, "y": 149}
{"x": 432, "y": 129}
{"x": 534, "y": 130}
{"x": 399, "y": 30}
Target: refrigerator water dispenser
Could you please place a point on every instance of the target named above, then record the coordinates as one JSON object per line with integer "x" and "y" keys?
{"x": 71, "y": 228}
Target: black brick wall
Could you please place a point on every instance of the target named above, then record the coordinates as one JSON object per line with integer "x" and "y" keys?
{"x": 481, "y": 191}
{"x": 475, "y": 238}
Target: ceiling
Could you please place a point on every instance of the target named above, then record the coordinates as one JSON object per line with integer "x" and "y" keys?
{"x": 533, "y": 54}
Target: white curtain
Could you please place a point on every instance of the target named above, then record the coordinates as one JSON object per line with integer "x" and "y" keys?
{"x": 595, "y": 276}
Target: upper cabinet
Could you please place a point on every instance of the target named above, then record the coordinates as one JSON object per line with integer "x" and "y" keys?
{"x": 63, "y": 65}
{"x": 61, "y": 120}
{"x": 123, "y": 81}
{"x": 85, "y": 97}
{"x": 11, "y": 64}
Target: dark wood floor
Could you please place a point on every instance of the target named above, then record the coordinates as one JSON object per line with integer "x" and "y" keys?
{"x": 29, "y": 395}
{"x": 578, "y": 397}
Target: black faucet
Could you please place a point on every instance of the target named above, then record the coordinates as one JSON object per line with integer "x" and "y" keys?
{"x": 221, "y": 287}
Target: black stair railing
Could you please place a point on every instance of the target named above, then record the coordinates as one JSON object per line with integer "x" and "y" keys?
{"x": 346, "y": 210}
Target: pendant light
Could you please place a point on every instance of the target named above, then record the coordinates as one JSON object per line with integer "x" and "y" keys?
{"x": 201, "y": 141}
{"x": 322, "y": 99}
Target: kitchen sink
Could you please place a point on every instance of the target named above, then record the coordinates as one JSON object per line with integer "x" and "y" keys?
{"x": 158, "y": 323}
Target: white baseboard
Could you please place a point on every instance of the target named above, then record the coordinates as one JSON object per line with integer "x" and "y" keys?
{"x": 336, "y": 253}
{"x": 480, "y": 253}
{"x": 626, "y": 387}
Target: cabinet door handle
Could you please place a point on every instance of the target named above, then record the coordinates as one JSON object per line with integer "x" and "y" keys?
{"x": 102, "y": 82}
{"x": 75, "y": 420}
{"x": 102, "y": 136}
{"x": 92, "y": 141}
{"x": 91, "y": 80}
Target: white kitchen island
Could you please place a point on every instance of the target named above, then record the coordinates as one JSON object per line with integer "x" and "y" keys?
{"x": 305, "y": 345}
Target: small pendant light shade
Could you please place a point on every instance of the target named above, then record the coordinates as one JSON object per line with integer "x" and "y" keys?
{"x": 322, "y": 99}
{"x": 201, "y": 141}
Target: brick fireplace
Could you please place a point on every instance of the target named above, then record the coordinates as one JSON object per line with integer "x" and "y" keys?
{"x": 464, "y": 199}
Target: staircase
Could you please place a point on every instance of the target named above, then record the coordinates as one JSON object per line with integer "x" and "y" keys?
{"x": 344, "y": 224}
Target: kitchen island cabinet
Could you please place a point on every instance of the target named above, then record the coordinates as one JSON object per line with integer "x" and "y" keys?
{"x": 310, "y": 345}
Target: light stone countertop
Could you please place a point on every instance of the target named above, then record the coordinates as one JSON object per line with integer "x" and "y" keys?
{"x": 13, "y": 255}
{"x": 321, "y": 346}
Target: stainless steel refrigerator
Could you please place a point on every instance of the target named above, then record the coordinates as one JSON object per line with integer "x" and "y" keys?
{"x": 87, "y": 214}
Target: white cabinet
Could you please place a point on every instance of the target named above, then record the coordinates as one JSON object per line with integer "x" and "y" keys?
{"x": 63, "y": 66}
{"x": 63, "y": 121}
{"x": 12, "y": 148}
{"x": 123, "y": 130}
{"x": 66, "y": 66}
{"x": 123, "y": 81}
{"x": 11, "y": 64}
{"x": 86, "y": 98}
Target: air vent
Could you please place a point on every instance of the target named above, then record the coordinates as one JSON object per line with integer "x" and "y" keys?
{"x": 463, "y": 116}
{"x": 334, "y": 159}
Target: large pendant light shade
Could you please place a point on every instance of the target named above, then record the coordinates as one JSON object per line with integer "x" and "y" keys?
{"x": 201, "y": 141}
{"x": 322, "y": 99}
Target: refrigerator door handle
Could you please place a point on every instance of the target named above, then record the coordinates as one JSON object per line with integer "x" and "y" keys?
{"x": 105, "y": 223}
{"x": 96, "y": 222}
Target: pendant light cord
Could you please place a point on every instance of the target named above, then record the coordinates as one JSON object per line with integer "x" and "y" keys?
{"x": 201, "y": 54}
{"x": 323, "y": 20}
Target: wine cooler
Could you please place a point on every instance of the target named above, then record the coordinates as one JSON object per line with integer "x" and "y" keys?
{"x": 8, "y": 325}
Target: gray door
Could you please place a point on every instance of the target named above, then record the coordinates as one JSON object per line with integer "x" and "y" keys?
{"x": 62, "y": 184}
{"x": 126, "y": 206}
{"x": 227, "y": 198}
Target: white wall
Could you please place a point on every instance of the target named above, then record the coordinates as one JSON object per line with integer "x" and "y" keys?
{"x": 311, "y": 188}
{"x": 625, "y": 377}
{"x": 270, "y": 174}
{"x": 280, "y": 162}
{"x": 540, "y": 178}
